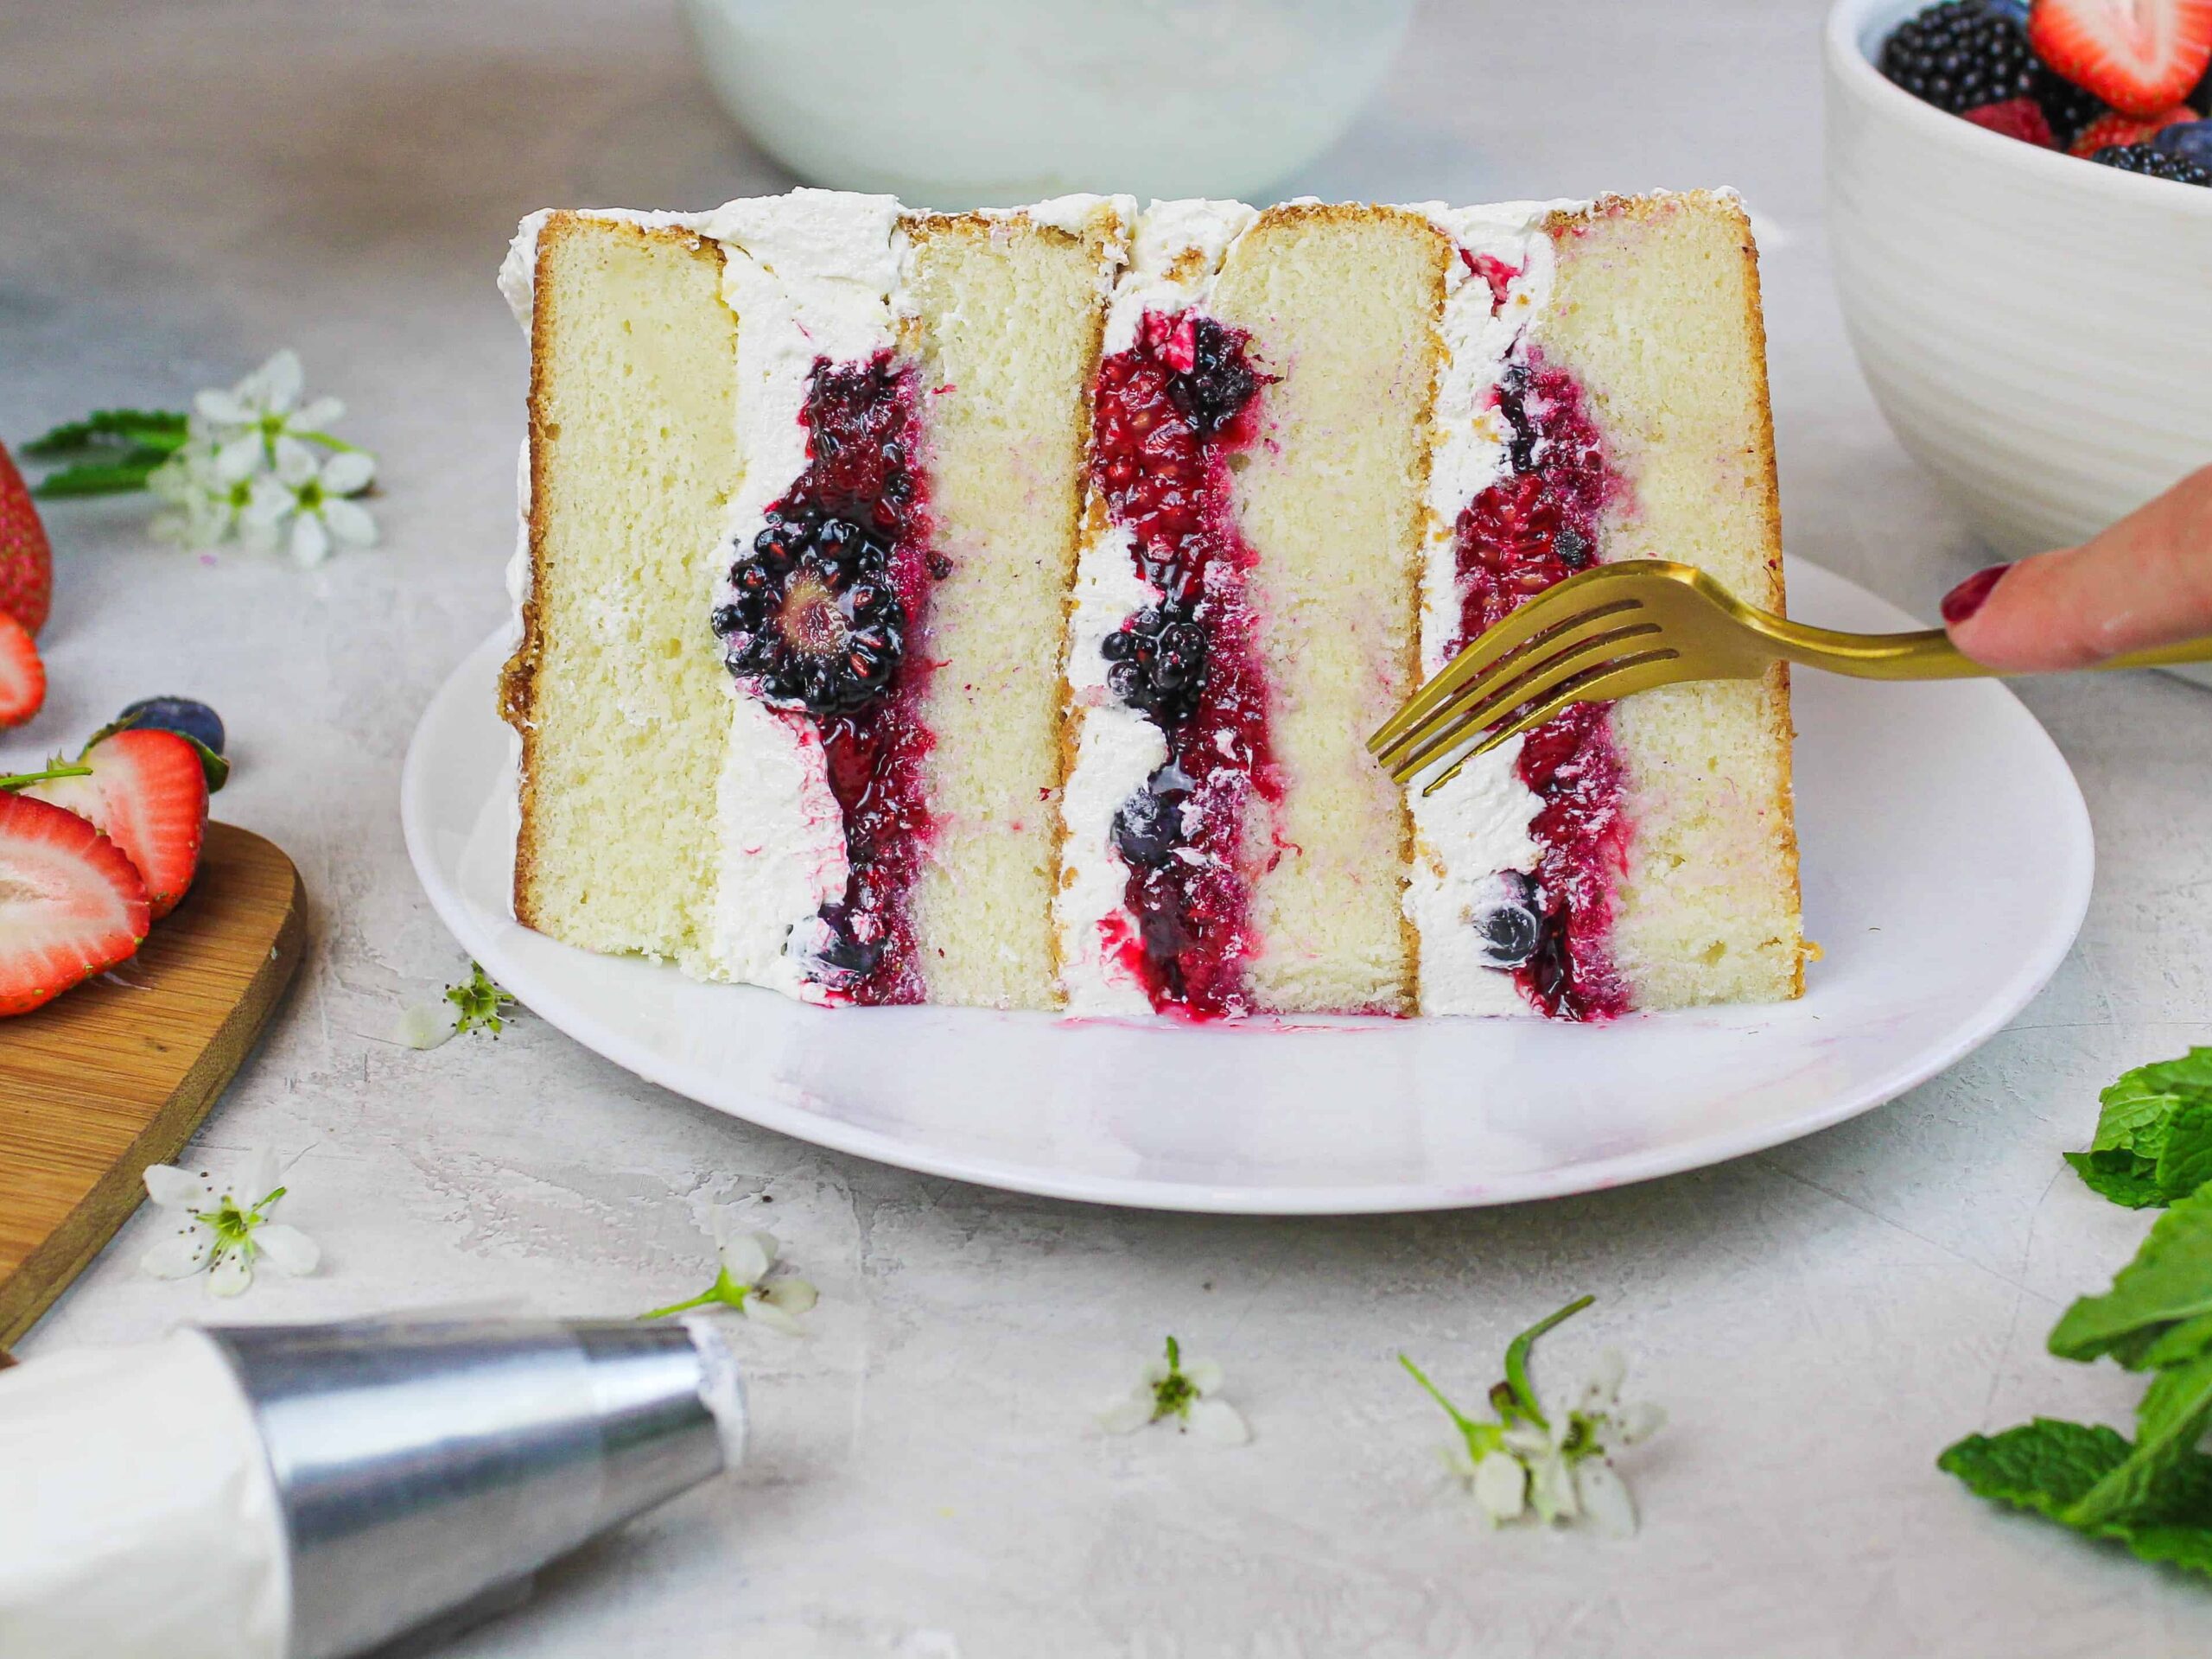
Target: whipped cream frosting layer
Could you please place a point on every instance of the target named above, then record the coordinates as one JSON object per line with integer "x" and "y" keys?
{"x": 809, "y": 275}
{"x": 1177, "y": 255}
{"x": 1464, "y": 836}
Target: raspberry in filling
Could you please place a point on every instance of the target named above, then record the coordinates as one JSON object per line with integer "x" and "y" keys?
{"x": 823, "y": 608}
{"x": 1169, "y": 411}
{"x": 1537, "y": 525}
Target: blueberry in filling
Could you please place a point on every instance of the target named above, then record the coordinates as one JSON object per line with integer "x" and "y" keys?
{"x": 1147, "y": 826}
{"x": 1508, "y": 918}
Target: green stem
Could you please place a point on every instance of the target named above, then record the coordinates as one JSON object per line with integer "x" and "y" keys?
{"x": 23, "y": 778}
{"x": 700, "y": 1300}
{"x": 1517, "y": 1358}
{"x": 1435, "y": 1392}
{"x": 327, "y": 440}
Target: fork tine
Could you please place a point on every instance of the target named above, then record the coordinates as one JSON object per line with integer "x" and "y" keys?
{"x": 1641, "y": 672}
{"x": 1530, "y": 673}
{"x": 1552, "y": 608}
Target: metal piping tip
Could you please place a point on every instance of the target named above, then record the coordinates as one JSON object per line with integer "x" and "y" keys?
{"x": 427, "y": 1466}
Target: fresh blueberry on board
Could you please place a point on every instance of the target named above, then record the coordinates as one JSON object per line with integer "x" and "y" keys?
{"x": 182, "y": 715}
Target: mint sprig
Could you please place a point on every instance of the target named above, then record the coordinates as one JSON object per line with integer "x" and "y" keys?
{"x": 2153, "y": 1143}
{"x": 2153, "y": 1493}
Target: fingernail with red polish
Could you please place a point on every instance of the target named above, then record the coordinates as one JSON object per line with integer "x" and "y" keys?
{"x": 1970, "y": 596}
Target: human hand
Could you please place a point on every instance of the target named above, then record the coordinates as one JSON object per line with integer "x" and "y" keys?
{"x": 2145, "y": 582}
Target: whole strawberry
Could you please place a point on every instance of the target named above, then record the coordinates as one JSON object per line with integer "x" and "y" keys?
{"x": 26, "y": 562}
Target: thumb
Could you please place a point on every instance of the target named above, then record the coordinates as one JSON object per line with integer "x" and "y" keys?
{"x": 2145, "y": 582}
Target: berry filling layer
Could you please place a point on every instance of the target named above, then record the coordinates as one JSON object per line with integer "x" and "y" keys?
{"x": 1536, "y": 526}
{"x": 1170, "y": 412}
{"x": 824, "y": 608}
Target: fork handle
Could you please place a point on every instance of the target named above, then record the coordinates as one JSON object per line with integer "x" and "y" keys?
{"x": 1929, "y": 654}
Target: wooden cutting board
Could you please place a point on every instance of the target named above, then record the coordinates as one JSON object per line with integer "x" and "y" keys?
{"x": 116, "y": 1074}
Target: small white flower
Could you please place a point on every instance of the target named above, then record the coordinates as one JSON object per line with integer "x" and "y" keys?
{"x": 1188, "y": 1392}
{"x": 222, "y": 1227}
{"x": 424, "y": 1025}
{"x": 1557, "y": 1464}
{"x": 1500, "y": 1481}
{"x": 745, "y": 1260}
{"x": 201, "y": 506}
{"x": 259, "y": 423}
{"x": 310, "y": 498}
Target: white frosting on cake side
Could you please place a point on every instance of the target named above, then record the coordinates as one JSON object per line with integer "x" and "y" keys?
{"x": 810, "y": 275}
{"x": 1477, "y": 825}
{"x": 1117, "y": 749}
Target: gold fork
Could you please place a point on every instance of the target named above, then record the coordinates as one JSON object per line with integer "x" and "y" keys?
{"x": 1622, "y": 628}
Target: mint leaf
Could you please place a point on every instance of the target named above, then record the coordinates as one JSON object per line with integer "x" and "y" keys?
{"x": 2168, "y": 1281}
{"x": 2169, "y": 1423}
{"x": 2185, "y": 1162}
{"x": 2120, "y": 1176}
{"x": 2052, "y": 1467}
{"x": 2181, "y": 1343}
{"x": 2153, "y": 1143}
{"x": 2047, "y": 1465}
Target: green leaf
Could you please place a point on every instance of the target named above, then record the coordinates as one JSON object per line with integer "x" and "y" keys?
{"x": 120, "y": 477}
{"x": 2153, "y": 1143}
{"x": 2169, "y": 1280}
{"x": 2169, "y": 1423}
{"x": 2121, "y": 1177}
{"x": 2185, "y": 1162}
{"x": 162, "y": 428}
{"x": 2046, "y": 1466}
{"x": 2051, "y": 1467}
{"x": 2180, "y": 1344}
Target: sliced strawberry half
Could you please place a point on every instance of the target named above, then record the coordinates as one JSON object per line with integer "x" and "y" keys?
{"x": 2138, "y": 56}
{"x": 22, "y": 676}
{"x": 148, "y": 792}
{"x": 71, "y": 904}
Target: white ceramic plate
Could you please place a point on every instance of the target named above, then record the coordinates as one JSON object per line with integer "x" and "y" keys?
{"x": 1947, "y": 862}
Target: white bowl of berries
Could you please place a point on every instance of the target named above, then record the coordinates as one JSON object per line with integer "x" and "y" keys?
{"x": 2036, "y": 325}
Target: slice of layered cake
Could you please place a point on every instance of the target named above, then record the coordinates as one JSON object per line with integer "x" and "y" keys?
{"x": 804, "y": 478}
{"x": 1004, "y": 599}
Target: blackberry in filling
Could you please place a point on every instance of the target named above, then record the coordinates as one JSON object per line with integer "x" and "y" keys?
{"x": 1158, "y": 662}
{"x": 815, "y": 618}
{"x": 1170, "y": 410}
{"x": 820, "y": 611}
{"x": 1535, "y": 526}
